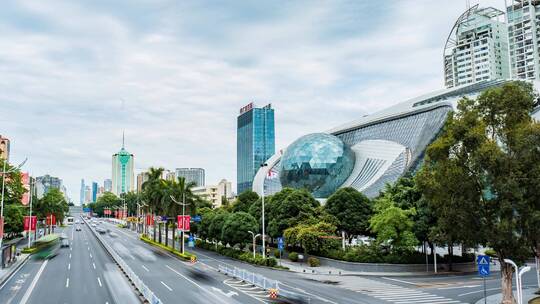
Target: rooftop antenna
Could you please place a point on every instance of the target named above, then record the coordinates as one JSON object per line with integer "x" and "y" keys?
{"x": 123, "y": 129}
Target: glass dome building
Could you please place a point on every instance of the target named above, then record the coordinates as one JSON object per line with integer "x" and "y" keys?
{"x": 318, "y": 162}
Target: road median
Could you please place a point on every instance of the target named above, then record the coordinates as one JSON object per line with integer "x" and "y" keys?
{"x": 185, "y": 256}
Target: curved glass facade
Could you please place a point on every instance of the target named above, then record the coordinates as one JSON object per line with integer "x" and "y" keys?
{"x": 318, "y": 162}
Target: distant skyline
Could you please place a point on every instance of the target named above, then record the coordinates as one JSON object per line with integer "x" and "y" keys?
{"x": 184, "y": 68}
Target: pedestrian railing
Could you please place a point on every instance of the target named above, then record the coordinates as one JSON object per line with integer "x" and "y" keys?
{"x": 147, "y": 294}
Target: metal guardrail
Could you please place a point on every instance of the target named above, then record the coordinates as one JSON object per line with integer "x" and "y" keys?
{"x": 262, "y": 282}
{"x": 250, "y": 277}
{"x": 137, "y": 282}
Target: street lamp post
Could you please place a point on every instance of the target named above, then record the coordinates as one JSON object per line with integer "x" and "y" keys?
{"x": 263, "y": 228}
{"x": 30, "y": 217}
{"x": 183, "y": 204}
{"x": 139, "y": 210}
{"x": 4, "y": 172}
{"x": 254, "y": 237}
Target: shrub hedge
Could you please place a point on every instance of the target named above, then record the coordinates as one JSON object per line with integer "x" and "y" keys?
{"x": 238, "y": 254}
{"x": 293, "y": 256}
{"x": 313, "y": 262}
{"x": 185, "y": 256}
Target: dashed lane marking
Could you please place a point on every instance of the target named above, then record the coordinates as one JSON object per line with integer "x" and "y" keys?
{"x": 170, "y": 289}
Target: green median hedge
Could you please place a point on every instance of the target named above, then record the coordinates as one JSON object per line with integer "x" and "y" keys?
{"x": 186, "y": 256}
{"x": 240, "y": 255}
{"x": 29, "y": 250}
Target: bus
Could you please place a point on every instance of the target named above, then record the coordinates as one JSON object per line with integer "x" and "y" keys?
{"x": 47, "y": 246}
{"x": 69, "y": 220}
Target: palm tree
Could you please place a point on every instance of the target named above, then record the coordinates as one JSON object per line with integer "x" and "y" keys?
{"x": 180, "y": 190}
{"x": 153, "y": 192}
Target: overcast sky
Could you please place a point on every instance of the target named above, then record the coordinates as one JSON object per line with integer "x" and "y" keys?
{"x": 184, "y": 69}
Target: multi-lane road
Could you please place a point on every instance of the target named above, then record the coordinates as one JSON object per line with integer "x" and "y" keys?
{"x": 85, "y": 273}
{"x": 82, "y": 273}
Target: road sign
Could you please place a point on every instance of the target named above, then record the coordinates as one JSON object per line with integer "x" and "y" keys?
{"x": 196, "y": 218}
{"x": 280, "y": 243}
{"x": 86, "y": 210}
{"x": 483, "y": 265}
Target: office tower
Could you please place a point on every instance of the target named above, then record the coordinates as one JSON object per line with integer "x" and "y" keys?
{"x": 195, "y": 175}
{"x": 141, "y": 178}
{"x": 122, "y": 172}
{"x": 255, "y": 142}
{"x": 81, "y": 193}
{"x": 87, "y": 194}
{"x": 4, "y": 148}
{"x": 107, "y": 185}
{"x": 45, "y": 183}
{"x": 523, "y": 17}
{"x": 94, "y": 191}
{"x": 477, "y": 48}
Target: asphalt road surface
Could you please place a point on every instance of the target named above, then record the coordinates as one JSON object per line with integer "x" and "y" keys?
{"x": 82, "y": 273}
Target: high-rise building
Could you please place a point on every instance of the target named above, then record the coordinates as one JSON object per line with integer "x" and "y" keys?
{"x": 87, "y": 194}
{"x": 255, "y": 142}
{"x": 45, "y": 183}
{"x": 523, "y": 17}
{"x": 107, "y": 185}
{"x": 141, "y": 178}
{"x": 477, "y": 48}
{"x": 169, "y": 175}
{"x": 122, "y": 172}
{"x": 4, "y": 148}
{"x": 81, "y": 193}
{"x": 195, "y": 175}
{"x": 94, "y": 191}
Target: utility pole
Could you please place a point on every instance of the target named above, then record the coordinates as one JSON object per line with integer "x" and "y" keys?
{"x": 263, "y": 228}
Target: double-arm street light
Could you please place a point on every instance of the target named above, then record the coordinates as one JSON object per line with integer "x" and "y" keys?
{"x": 254, "y": 237}
{"x": 4, "y": 172}
{"x": 139, "y": 209}
{"x": 263, "y": 228}
{"x": 183, "y": 204}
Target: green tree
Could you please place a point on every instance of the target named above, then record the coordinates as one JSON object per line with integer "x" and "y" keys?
{"x": 482, "y": 164}
{"x": 290, "y": 207}
{"x": 244, "y": 201}
{"x": 153, "y": 193}
{"x": 352, "y": 210}
{"x": 217, "y": 221}
{"x": 236, "y": 227}
{"x": 393, "y": 225}
{"x": 53, "y": 202}
{"x": 14, "y": 224}
{"x": 107, "y": 200}
{"x": 311, "y": 237}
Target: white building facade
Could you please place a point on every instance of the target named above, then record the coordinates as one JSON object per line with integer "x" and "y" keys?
{"x": 477, "y": 48}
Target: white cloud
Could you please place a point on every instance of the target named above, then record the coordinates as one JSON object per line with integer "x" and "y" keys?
{"x": 184, "y": 70}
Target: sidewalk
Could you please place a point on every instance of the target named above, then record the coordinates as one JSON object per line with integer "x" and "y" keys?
{"x": 528, "y": 294}
{"x": 6, "y": 273}
{"x": 326, "y": 270}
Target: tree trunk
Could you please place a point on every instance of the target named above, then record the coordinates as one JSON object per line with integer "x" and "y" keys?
{"x": 154, "y": 225}
{"x": 450, "y": 256}
{"x": 173, "y": 240}
{"x": 167, "y": 233}
{"x": 159, "y": 231}
{"x": 506, "y": 283}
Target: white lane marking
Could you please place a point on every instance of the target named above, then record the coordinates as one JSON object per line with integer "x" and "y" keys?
{"x": 457, "y": 287}
{"x": 70, "y": 255}
{"x": 13, "y": 274}
{"x": 170, "y": 289}
{"x": 145, "y": 268}
{"x": 88, "y": 248}
{"x": 99, "y": 281}
{"x": 33, "y": 284}
{"x": 71, "y": 248}
{"x": 94, "y": 265}
{"x": 401, "y": 281}
{"x": 69, "y": 266}
{"x": 67, "y": 282}
{"x": 90, "y": 255}
{"x": 183, "y": 276}
{"x": 481, "y": 290}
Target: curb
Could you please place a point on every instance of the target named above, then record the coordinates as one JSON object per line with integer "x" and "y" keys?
{"x": 14, "y": 270}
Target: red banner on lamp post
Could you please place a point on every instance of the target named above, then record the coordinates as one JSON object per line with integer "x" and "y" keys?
{"x": 51, "y": 219}
{"x": 25, "y": 178}
{"x": 183, "y": 222}
{"x": 30, "y": 223}
{"x": 149, "y": 220}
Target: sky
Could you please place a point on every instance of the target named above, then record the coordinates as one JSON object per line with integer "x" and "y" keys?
{"x": 174, "y": 74}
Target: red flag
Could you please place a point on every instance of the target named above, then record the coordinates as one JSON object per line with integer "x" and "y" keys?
{"x": 25, "y": 177}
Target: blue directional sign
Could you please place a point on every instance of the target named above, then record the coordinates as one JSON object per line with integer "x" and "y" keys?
{"x": 191, "y": 241}
{"x": 280, "y": 243}
{"x": 196, "y": 218}
{"x": 483, "y": 265}
{"x": 87, "y": 209}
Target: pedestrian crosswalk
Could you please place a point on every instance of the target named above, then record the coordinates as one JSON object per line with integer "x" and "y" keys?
{"x": 247, "y": 288}
{"x": 398, "y": 294}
